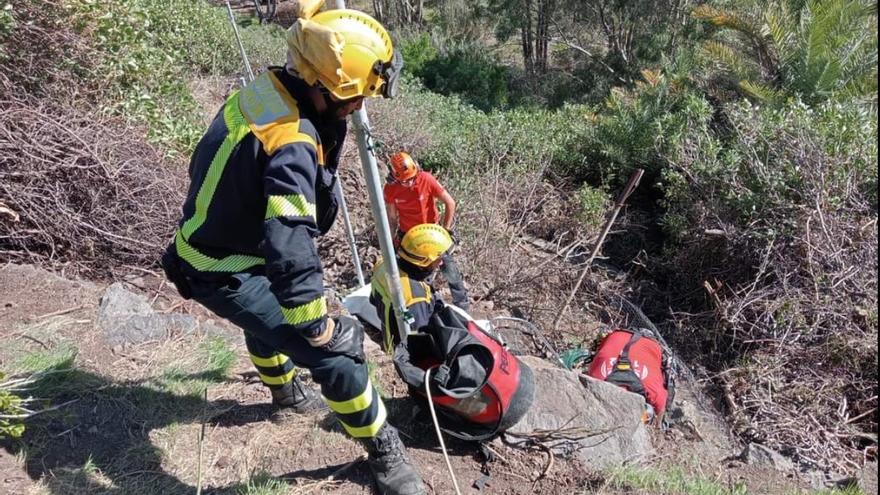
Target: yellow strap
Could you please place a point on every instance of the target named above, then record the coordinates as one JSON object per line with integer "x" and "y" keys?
{"x": 292, "y": 205}
{"x": 357, "y": 404}
{"x": 204, "y": 263}
{"x": 305, "y": 312}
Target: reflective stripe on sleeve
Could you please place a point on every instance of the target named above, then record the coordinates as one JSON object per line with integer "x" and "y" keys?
{"x": 292, "y": 205}
{"x": 304, "y": 313}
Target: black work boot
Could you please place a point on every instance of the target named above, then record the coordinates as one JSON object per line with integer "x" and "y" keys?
{"x": 293, "y": 398}
{"x": 387, "y": 458}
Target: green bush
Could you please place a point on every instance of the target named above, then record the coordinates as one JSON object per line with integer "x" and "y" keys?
{"x": 592, "y": 204}
{"x": 418, "y": 51}
{"x": 451, "y": 134}
{"x": 464, "y": 70}
{"x": 151, "y": 49}
{"x": 10, "y": 405}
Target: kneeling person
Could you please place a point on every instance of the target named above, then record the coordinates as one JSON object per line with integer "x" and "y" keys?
{"x": 418, "y": 257}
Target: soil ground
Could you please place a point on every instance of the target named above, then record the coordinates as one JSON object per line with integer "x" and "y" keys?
{"x": 136, "y": 412}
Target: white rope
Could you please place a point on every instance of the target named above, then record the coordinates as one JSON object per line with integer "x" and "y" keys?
{"x": 437, "y": 429}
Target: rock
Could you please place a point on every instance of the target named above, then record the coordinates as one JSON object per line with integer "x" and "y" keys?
{"x": 760, "y": 455}
{"x": 372, "y": 348}
{"x": 817, "y": 480}
{"x": 611, "y": 415}
{"x": 127, "y": 318}
{"x": 868, "y": 478}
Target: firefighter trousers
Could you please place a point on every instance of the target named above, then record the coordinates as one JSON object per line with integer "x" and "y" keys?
{"x": 246, "y": 300}
{"x": 453, "y": 277}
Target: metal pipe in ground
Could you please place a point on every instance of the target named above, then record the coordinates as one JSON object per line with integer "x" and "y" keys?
{"x": 374, "y": 188}
{"x": 621, "y": 200}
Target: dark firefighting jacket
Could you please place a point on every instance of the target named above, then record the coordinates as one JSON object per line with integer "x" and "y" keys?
{"x": 421, "y": 302}
{"x": 262, "y": 187}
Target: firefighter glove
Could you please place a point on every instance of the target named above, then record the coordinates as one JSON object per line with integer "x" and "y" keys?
{"x": 342, "y": 335}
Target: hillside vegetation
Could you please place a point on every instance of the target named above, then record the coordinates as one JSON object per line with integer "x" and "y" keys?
{"x": 753, "y": 236}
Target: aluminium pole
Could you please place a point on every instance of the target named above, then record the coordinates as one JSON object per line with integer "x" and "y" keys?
{"x": 374, "y": 188}
{"x": 350, "y": 230}
{"x": 241, "y": 51}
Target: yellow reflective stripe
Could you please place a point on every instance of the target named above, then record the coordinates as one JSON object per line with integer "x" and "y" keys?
{"x": 305, "y": 312}
{"x": 204, "y": 263}
{"x": 292, "y": 205}
{"x": 236, "y": 130}
{"x": 276, "y": 360}
{"x": 358, "y": 404}
{"x": 278, "y": 380}
{"x": 370, "y": 430}
{"x": 389, "y": 339}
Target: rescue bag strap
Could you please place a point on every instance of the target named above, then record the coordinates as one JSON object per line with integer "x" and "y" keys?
{"x": 624, "y": 354}
{"x": 441, "y": 373}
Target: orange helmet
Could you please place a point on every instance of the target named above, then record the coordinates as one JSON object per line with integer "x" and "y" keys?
{"x": 403, "y": 167}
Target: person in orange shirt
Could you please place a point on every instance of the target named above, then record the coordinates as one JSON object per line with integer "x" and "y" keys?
{"x": 411, "y": 196}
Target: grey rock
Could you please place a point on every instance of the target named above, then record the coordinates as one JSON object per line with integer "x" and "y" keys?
{"x": 868, "y": 478}
{"x": 760, "y": 455}
{"x": 608, "y": 417}
{"x": 127, "y": 318}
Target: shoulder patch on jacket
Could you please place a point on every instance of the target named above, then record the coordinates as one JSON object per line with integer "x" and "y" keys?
{"x": 272, "y": 114}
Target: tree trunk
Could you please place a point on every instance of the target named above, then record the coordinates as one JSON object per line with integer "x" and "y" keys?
{"x": 528, "y": 39}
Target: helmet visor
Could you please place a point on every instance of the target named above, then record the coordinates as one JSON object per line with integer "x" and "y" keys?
{"x": 390, "y": 72}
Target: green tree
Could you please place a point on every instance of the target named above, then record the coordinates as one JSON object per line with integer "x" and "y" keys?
{"x": 815, "y": 49}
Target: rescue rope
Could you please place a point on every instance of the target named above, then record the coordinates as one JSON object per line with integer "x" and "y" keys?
{"x": 437, "y": 429}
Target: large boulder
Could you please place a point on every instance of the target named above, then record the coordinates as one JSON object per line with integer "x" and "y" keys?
{"x": 599, "y": 423}
{"x": 128, "y": 318}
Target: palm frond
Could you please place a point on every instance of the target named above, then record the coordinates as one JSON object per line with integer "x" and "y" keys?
{"x": 726, "y": 19}
{"x": 729, "y": 60}
{"x": 761, "y": 91}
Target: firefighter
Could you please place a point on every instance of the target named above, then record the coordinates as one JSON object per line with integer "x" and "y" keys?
{"x": 411, "y": 197}
{"x": 419, "y": 254}
{"x": 262, "y": 188}
{"x": 637, "y": 361}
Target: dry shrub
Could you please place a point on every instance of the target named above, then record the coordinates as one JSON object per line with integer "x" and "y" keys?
{"x": 792, "y": 285}
{"x": 91, "y": 195}
{"x": 82, "y": 191}
{"x": 42, "y": 55}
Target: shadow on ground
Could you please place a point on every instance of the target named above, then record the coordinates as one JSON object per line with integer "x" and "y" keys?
{"x": 100, "y": 442}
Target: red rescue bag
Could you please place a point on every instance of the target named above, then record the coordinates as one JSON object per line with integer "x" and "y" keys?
{"x": 478, "y": 387}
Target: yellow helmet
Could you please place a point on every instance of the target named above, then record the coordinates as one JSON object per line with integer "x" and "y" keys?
{"x": 347, "y": 51}
{"x": 424, "y": 244}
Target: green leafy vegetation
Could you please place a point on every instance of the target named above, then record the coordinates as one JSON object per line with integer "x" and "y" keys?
{"x": 10, "y": 408}
{"x": 152, "y": 49}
